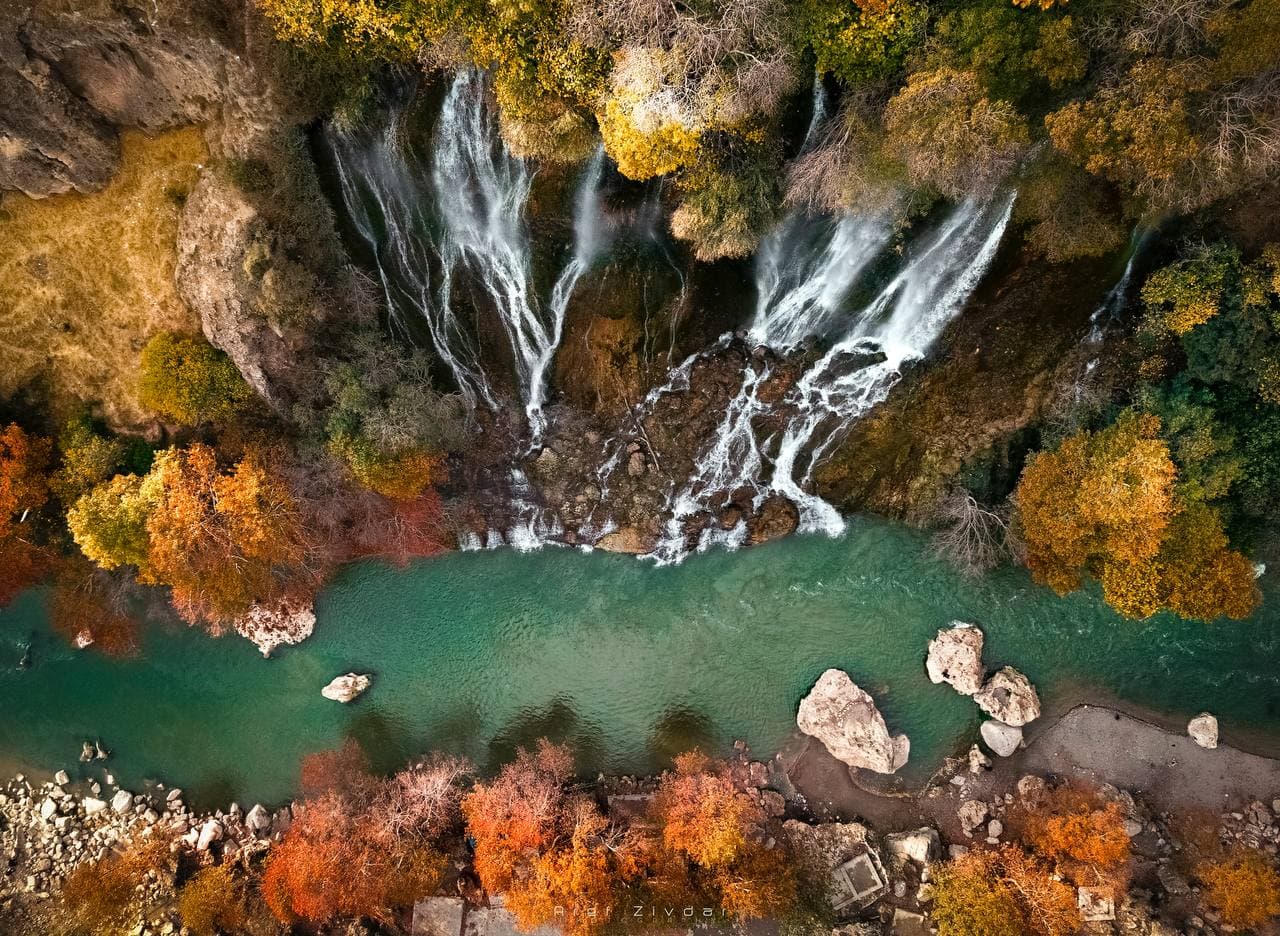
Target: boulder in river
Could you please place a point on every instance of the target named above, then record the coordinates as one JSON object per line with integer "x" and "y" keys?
{"x": 1003, "y": 739}
{"x": 1203, "y": 730}
{"x": 283, "y": 624}
{"x": 845, "y": 719}
{"x": 1008, "y": 696}
{"x": 955, "y": 658}
{"x": 346, "y": 688}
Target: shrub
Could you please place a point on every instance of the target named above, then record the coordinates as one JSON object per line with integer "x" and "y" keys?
{"x": 1244, "y": 886}
{"x": 186, "y": 379}
{"x": 212, "y": 902}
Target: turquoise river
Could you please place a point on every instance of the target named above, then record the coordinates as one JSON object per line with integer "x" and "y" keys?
{"x": 480, "y": 652}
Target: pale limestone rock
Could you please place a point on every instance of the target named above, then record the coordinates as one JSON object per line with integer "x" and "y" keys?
{"x": 1203, "y": 730}
{"x": 1008, "y": 696}
{"x": 845, "y": 719}
{"x": 285, "y": 624}
{"x": 1003, "y": 739}
{"x": 955, "y": 658}
{"x": 346, "y": 688}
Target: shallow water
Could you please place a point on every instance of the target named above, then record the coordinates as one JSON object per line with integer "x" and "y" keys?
{"x": 478, "y": 652}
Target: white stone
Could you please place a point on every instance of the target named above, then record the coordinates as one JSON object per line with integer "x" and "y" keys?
{"x": 845, "y": 719}
{"x": 83, "y": 639}
{"x": 210, "y": 832}
{"x": 92, "y": 805}
{"x": 258, "y": 819}
{"x": 920, "y": 846}
{"x": 61, "y": 778}
{"x": 48, "y": 809}
{"x": 1008, "y": 696}
{"x": 346, "y": 688}
{"x": 122, "y": 802}
{"x": 978, "y": 762}
{"x": 995, "y": 828}
{"x": 1003, "y": 739}
{"x": 1203, "y": 730}
{"x": 955, "y": 658}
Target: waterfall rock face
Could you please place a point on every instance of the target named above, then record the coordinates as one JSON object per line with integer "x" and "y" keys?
{"x": 845, "y": 719}
{"x": 346, "y": 688}
{"x": 1008, "y": 696}
{"x": 1203, "y": 730}
{"x": 955, "y": 658}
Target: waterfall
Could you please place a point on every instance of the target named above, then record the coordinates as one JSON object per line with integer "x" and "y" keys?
{"x": 857, "y": 372}
{"x": 382, "y": 180}
{"x": 588, "y": 244}
{"x": 463, "y": 211}
{"x": 1108, "y": 310}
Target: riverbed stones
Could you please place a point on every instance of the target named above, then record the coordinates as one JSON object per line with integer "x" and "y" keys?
{"x": 283, "y": 624}
{"x": 955, "y": 658}
{"x": 1002, "y": 739}
{"x": 122, "y": 802}
{"x": 971, "y": 814}
{"x": 437, "y": 916}
{"x": 346, "y": 688}
{"x": 1008, "y": 696}
{"x": 93, "y": 806}
{"x": 846, "y": 720}
{"x": 919, "y": 845}
{"x": 258, "y": 819}
{"x": 1203, "y": 730}
{"x": 210, "y": 832}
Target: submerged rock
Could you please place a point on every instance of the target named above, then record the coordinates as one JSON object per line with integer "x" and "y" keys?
{"x": 346, "y": 688}
{"x": 1203, "y": 730}
{"x": 285, "y": 624}
{"x": 1003, "y": 739}
{"x": 1008, "y": 696}
{"x": 955, "y": 658}
{"x": 845, "y": 719}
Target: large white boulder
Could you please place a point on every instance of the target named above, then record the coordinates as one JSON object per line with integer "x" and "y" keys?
{"x": 955, "y": 658}
{"x": 920, "y": 846}
{"x": 1001, "y": 738}
{"x": 122, "y": 802}
{"x": 845, "y": 719}
{"x": 210, "y": 832}
{"x": 258, "y": 819}
{"x": 346, "y": 688}
{"x": 92, "y": 805}
{"x": 1204, "y": 730}
{"x": 1008, "y": 696}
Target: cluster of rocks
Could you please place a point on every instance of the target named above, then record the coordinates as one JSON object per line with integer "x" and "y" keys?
{"x": 48, "y": 829}
{"x": 955, "y": 658}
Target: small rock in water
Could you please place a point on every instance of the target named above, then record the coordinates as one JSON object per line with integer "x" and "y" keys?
{"x": 99, "y": 752}
{"x": 346, "y": 688}
{"x": 61, "y": 778}
{"x": 86, "y": 752}
{"x": 1203, "y": 730}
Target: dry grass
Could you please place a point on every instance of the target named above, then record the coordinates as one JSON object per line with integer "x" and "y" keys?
{"x": 85, "y": 280}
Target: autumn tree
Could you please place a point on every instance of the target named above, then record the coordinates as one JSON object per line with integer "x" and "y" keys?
{"x": 186, "y": 379}
{"x": 105, "y": 896}
{"x": 1080, "y": 833}
{"x": 90, "y": 608}
{"x": 716, "y": 831}
{"x": 1103, "y": 497}
{"x": 1243, "y": 885}
{"x": 1002, "y": 891}
{"x": 213, "y": 901}
{"x": 951, "y": 136}
{"x": 24, "y": 488}
{"x": 88, "y": 456}
{"x": 425, "y": 800}
{"x": 518, "y": 813}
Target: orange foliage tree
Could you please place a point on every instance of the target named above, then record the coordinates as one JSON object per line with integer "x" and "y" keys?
{"x": 1244, "y": 886}
{"x": 89, "y": 609}
{"x": 219, "y": 540}
{"x": 24, "y": 462}
{"x": 715, "y": 831}
{"x": 1002, "y": 892}
{"x": 1082, "y": 834}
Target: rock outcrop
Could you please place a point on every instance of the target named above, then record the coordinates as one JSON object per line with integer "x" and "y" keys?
{"x": 955, "y": 658}
{"x": 346, "y": 688}
{"x": 285, "y": 624}
{"x": 845, "y": 719}
{"x": 1008, "y": 696}
{"x": 1203, "y": 730}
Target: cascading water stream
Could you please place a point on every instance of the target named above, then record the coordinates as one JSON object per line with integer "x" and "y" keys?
{"x": 465, "y": 208}
{"x": 858, "y": 371}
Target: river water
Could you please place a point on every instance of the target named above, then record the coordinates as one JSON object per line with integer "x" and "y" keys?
{"x": 479, "y": 652}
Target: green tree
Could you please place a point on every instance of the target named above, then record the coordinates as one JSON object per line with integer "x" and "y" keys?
{"x": 186, "y": 379}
